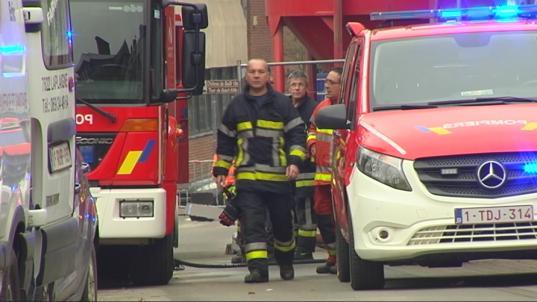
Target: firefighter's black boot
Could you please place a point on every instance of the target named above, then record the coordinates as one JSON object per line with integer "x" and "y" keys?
{"x": 304, "y": 248}
{"x": 287, "y": 272}
{"x": 258, "y": 271}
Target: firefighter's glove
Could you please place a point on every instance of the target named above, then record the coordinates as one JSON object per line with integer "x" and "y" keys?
{"x": 229, "y": 215}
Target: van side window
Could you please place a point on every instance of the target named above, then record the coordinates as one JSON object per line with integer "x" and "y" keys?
{"x": 348, "y": 61}
{"x": 354, "y": 83}
{"x": 56, "y": 34}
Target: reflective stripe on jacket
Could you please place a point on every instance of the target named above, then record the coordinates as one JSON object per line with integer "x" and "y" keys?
{"x": 322, "y": 140}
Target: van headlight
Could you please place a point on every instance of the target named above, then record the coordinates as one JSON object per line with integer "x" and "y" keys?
{"x": 384, "y": 168}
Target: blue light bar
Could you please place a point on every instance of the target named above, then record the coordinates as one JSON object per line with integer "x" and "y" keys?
{"x": 507, "y": 11}
{"x": 13, "y": 49}
{"x": 530, "y": 168}
{"x": 450, "y": 14}
{"x": 473, "y": 13}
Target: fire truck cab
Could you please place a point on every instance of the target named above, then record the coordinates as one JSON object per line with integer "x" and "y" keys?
{"x": 47, "y": 216}
{"x": 128, "y": 121}
{"x": 435, "y": 142}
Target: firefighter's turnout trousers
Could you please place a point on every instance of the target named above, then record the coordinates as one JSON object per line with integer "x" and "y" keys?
{"x": 253, "y": 206}
{"x": 305, "y": 217}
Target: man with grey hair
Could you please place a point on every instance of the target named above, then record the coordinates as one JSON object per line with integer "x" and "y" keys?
{"x": 305, "y": 217}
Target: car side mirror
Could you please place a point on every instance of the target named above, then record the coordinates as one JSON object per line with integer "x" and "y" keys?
{"x": 195, "y": 16}
{"x": 194, "y": 61}
{"x": 332, "y": 117}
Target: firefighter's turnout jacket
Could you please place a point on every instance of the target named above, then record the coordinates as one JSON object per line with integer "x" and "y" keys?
{"x": 322, "y": 140}
{"x": 264, "y": 135}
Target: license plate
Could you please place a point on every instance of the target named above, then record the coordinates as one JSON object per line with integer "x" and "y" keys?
{"x": 494, "y": 214}
{"x": 60, "y": 157}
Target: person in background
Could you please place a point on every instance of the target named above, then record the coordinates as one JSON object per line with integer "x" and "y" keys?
{"x": 319, "y": 144}
{"x": 263, "y": 132}
{"x": 305, "y": 220}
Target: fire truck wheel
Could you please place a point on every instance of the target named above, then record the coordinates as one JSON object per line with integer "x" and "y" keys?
{"x": 342, "y": 256}
{"x": 90, "y": 288}
{"x": 9, "y": 290}
{"x": 155, "y": 264}
{"x": 363, "y": 274}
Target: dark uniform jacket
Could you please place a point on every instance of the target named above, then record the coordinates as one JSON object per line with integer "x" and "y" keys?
{"x": 304, "y": 182}
{"x": 263, "y": 135}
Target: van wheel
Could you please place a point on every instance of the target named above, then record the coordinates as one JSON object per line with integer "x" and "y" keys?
{"x": 153, "y": 264}
{"x": 363, "y": 274}
{"x": 9, "y": 290}
{"x": 90, "y": 288}
{"x": 342, "y": 254}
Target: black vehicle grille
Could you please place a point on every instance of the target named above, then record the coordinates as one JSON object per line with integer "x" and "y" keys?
{"x": 456, "y": 176}
{"x": 94, "y": 146}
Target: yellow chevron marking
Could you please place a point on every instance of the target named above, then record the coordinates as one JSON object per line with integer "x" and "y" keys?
{"x": 440, "y": 130}
{"x": 530, "y": 126}
{"x": 129, "y": 162}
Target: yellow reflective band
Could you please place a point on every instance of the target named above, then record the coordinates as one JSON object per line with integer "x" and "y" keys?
{"x": 270, "y": 124}
{"x": 261, "y": 176}
{"x": 244, "y": 126}
{"x": 240, "y": 153}
{"x": 281, "y": 153}
{"x": 304, "y": 183}
{"x": 298, "y": 153}
{"x": 311, "y": 137}
{"x": 282, "y": 248}
{"x": 304, "y": 233}
{"x": 256, "y": 255}
{"x": 325, "y": 131}
{"x": 222, "y": 164}
{"x": 129, "y": 162}
{"x": 323, "y": 177}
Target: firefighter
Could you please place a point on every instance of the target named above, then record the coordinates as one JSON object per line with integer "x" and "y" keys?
{"x": 306, "y": 222}
{"x": 319, "y": 144}
{"x": 264, "y": 133}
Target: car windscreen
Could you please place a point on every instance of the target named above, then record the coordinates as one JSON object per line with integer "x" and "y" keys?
{"x": 109, "y": 45}
{"x": 453, "y": 67}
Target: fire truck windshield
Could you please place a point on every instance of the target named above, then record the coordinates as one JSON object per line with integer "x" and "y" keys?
{"x": 453, "y": 67}
{"x": 109, "y": 38}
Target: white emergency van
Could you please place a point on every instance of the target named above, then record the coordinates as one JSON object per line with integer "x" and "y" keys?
{"x": 47, "y": 216}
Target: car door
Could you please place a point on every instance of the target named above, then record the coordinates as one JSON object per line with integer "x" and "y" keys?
{"x": 343, "y": 138}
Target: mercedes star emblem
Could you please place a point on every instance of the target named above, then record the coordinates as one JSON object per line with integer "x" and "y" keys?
{"x": 491, "y": 174}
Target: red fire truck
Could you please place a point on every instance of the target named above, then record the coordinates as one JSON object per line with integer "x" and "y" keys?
{"x": 134, "y": 59}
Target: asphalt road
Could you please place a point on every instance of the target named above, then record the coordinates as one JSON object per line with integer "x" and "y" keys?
{"x": 205, "y": 243}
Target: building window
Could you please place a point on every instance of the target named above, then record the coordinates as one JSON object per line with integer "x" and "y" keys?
{"x": 205, "y": 111}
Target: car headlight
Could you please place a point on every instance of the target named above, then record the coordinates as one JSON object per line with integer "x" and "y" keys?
{"x": 384, "y": 168}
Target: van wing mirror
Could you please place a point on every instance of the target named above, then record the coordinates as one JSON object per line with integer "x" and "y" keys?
{"x": 332, "y": 117}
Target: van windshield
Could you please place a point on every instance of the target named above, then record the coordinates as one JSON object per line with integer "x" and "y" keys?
{"x": 453, "y": 67}
{"x": 109, "y": 46}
